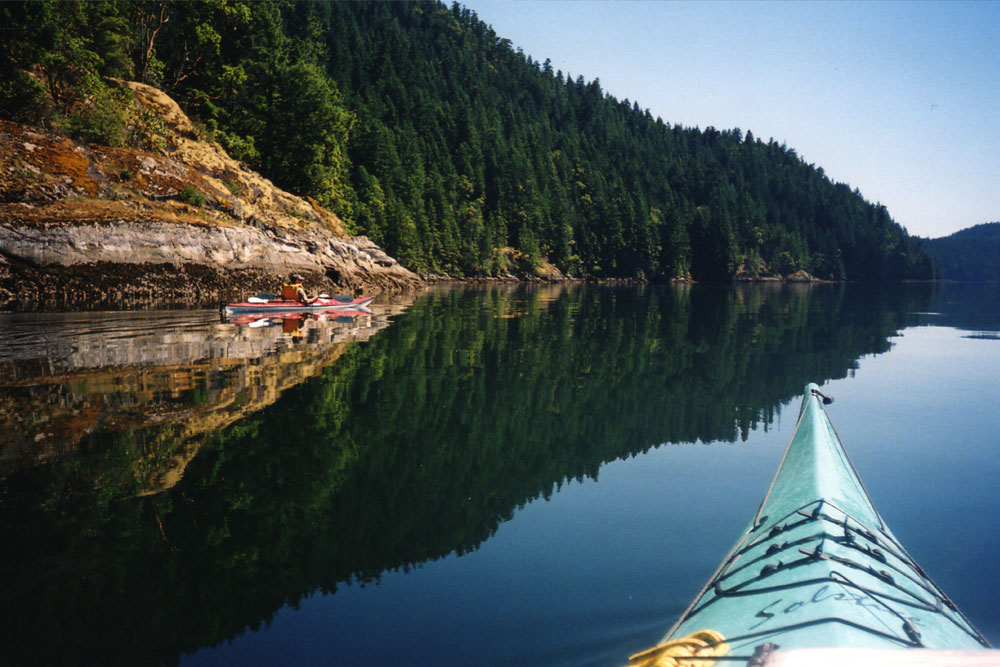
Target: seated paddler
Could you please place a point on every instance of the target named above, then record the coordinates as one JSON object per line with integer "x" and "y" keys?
{"x": 294, "y": 291}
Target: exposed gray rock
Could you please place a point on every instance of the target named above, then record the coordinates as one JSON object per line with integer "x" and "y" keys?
{"x": 221, "y": 247}
{"x": 177, "y": 222}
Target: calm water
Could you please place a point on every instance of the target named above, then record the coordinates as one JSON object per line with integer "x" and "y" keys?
{"x": 493, "y": 477}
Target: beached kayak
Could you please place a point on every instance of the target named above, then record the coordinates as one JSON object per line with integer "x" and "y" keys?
{"x": 320, "y": 305}
{"x": 817, "y": 567}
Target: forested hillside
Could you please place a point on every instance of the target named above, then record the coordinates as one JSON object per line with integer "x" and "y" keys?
{"x": 968, "y": 255}
{"x": 425, "y": 130}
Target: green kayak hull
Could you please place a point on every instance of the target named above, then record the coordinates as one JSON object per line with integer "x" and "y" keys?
{"x": 818, "y": 567}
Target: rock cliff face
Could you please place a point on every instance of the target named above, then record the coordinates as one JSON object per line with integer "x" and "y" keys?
{"x": 96, "y": 226}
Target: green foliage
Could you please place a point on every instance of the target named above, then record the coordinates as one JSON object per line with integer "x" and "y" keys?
{"x": 233, "y": 187}
{"x": 303, "y": 140}
{"x": 424, "y": 129}
{"x": 968, "y": 255}
{"x": 101, "y": 113}
{"x": 487, "y": 149}
{"x": 241, "y": 148}
{"x": 22, "y": 98}
{"x": 54, "y": 57}
{"x": 146, "y": 129}
{"x": 190, "y": 195}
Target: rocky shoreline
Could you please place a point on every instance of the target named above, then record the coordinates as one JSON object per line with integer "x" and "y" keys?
{"x": 119, "y": 286}
{"x": 178, "y": 223}
{"x": 111, "y": 286}
{"x": 119, "y": 265}
{"x": 182, "y": 224}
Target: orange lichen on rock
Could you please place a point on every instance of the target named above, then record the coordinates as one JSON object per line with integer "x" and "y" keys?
{"x": 62, "y": 158}
{"x": 75, "y": 214}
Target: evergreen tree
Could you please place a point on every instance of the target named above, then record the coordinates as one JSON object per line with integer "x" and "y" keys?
{"x": 428, "y": 132}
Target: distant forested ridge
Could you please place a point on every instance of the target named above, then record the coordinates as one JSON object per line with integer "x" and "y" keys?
{"x": 968, "y": 255}
{"x": 425, "y": 130}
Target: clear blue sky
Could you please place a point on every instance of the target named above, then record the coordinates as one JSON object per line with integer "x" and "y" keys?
{"x": 898, "y": 99}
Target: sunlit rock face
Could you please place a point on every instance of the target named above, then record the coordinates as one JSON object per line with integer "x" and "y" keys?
{"x": 79, "y": 221}
{"x": 222, "y": 248}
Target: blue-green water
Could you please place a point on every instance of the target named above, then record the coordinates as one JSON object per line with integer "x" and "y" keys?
{"x": 494, "y": 477}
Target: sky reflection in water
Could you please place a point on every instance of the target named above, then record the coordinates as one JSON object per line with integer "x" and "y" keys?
{"x": 383, "y": 460}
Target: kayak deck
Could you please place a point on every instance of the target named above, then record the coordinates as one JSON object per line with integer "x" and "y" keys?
{"x": 818, "y": 567}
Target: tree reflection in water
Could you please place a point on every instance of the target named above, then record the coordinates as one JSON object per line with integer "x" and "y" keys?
{"x": 410, "y": 446}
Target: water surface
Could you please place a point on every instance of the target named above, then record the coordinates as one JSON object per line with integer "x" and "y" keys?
{"x": 500, "y": 476}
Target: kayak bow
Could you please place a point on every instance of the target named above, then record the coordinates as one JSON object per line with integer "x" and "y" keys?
{"x": 817, "y": 567}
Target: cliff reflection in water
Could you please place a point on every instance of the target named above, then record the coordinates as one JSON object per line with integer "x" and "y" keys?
{"x": 412, "y": 446}
{"x": 157, "y": 380}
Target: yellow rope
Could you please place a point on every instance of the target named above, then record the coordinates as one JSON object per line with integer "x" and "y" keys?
{"x": 704, "y": 643}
